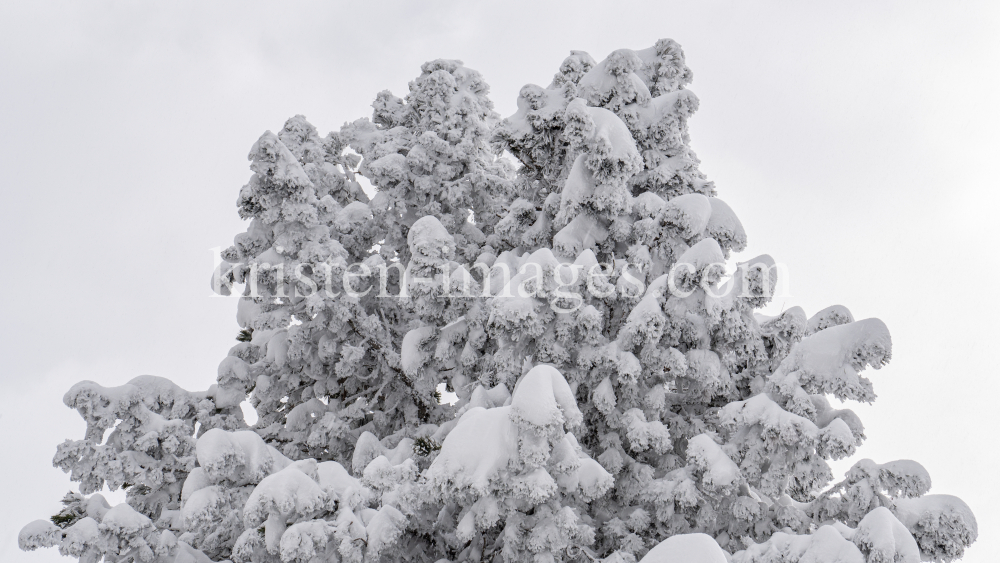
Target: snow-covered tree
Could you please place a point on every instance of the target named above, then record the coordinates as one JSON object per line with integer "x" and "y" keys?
{"x": 615, "y": 395}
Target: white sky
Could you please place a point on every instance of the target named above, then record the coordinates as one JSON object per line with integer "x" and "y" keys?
{"x": 857, "y": 141}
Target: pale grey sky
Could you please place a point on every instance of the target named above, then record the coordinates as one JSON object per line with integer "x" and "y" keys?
{"x": 857, "y": 142}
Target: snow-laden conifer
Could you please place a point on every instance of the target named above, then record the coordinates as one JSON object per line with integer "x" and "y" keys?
{"x": 617, "y": 396}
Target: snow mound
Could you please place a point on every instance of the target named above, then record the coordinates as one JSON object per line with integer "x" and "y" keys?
{"x": 580, "y": 186}
{"x": 429, "y": 242}
{"x": 383, "y": 530}
{"x": 234, "y": 382}
{"x": 289, "y": 494}
{"x": 613, "y": 156}
{"x": 614, "y": 81}
{"x": 686, "y": 548}
{"x": 825, "y": 545}
{"x": 755, "y": 281}
{"x": 303, "y": 540}
{"x": 497, "y": 396}
{"x": 481, "y": 446}
{"x": 40, "y": 533}
{"x": 354, "y": 212}
{"x": 542, "y": 399}
{"x": 154, "y": 402}
{"x": 647, "y": 205}
{"x": 703, "y": 254}
{"x": 690, "y": 213}
{"x": 81, "y": 537}
{"x": 942, "y": 525}
{"x": 902, "y": 477}
{"x": 725, "y": 227}
{"x": 777, "y": 423}
{"x": 604, "y": 398}
{"x": 663, "y": 68}
{"x": 201, "y": 506}
{"x": 334, "y": 479}
{"x": 240, "y": 457}
{"x": 834, "y": 315}
{"x": 289, "y": 490}
{"x": 881, "y": 537}
{"x": 646, "y": 321}
{"x": 582, "y": 233}
{"x": 830, "y": 360}
{"x": 704, "y": 453}
{"x": 412, "y": 357}
{"x": 643, "y": 434}
{"x": 123, "y": 519}
{"x": 367, "y": 448}
{"x": 271, "y": 158}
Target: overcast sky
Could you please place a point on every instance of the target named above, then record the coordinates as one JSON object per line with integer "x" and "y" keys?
{"x": 857, "y": 142}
